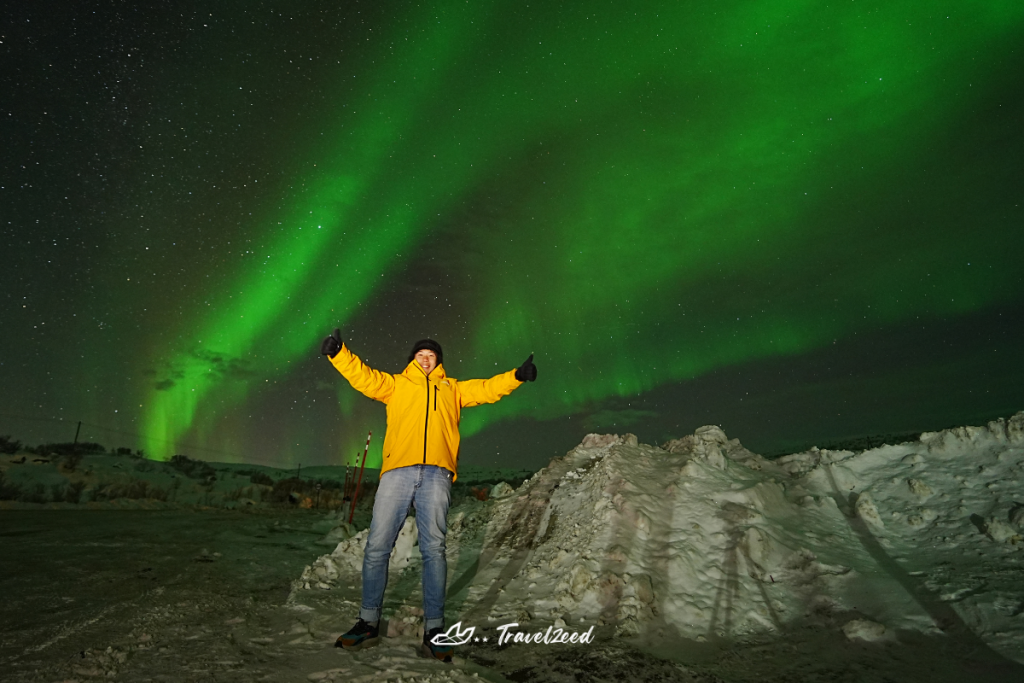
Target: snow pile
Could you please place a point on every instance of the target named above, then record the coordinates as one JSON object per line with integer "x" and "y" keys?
{"x": 347, "y": 558}
{"x": 702, "y": 539}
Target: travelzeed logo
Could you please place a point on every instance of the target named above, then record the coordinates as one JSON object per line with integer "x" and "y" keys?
{"x": 456, "y": 635}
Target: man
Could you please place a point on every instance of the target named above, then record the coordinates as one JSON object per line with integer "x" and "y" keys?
{"x": 421, "y": 451}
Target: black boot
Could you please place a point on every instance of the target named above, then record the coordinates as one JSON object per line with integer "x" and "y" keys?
{"x": 440, "y": 652}
{"x": 359, "y": 636}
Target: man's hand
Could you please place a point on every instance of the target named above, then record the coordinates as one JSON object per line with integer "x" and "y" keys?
{"x": 527, "y": 372}
{"x": 332, "y": 345}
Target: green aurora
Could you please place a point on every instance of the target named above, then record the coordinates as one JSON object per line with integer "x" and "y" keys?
{"x": 639, "y": 194}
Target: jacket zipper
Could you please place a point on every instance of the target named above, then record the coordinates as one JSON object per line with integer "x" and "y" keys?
{"x": 435, "y": 399}
{"x": 426, "y": 421}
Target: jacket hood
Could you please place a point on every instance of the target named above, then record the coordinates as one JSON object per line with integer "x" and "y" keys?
{"x": 413, "y": 369}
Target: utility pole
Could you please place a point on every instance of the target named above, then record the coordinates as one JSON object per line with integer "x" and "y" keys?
{"x": 355, "y": 497}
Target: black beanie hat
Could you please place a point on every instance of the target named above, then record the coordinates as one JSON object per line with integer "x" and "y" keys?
{"x": 430, "y": 345}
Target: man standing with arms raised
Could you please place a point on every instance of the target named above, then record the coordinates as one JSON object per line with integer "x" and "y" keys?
{"x": 421, "y": 451}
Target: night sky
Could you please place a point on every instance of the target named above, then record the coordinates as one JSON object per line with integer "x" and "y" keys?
{"x": 800, "y": 221}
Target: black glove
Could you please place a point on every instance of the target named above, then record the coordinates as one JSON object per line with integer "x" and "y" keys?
{"x": 331, "y": 344}
{"x": 527, "y": 372}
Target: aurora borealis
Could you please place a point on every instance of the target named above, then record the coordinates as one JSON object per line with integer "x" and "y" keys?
{"x": 797, "y": 220}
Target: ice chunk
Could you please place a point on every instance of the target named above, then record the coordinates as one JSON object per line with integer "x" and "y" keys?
{"x": 1001, "y": 532}
{"x": 501, "y": 489}
{"x": 863, "y": 629}
{"x": 919, "y": 488}
{"x": 867, "y": 511}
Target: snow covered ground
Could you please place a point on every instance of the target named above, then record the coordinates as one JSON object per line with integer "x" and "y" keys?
{"x": 696, "y": 561}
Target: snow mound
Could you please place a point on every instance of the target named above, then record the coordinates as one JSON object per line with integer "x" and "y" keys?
{"x": 347, "y": 558}
{"x": 703, "y": 539}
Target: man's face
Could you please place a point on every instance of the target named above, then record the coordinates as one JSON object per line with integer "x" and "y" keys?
{"x": 427, "y": 360}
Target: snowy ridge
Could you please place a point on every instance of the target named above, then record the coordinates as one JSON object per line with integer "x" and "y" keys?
{"x": 702, "y": 539}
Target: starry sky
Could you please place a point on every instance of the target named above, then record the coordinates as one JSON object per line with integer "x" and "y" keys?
{"x": 800, "y": 221}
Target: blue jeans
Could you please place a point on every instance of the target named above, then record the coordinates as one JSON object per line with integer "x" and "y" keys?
{"x": 428, "y": 489}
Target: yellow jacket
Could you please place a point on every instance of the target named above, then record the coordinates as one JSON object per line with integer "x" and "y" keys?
{"x": 423, "y": 412}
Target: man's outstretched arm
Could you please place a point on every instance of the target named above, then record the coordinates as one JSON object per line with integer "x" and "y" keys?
{"x": 372, "y": 383}
{"x": 476, "y": 392}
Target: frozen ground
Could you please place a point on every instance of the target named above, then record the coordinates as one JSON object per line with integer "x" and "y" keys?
{"x": 136, "y": 595}
{"x": 694, "y": 561}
